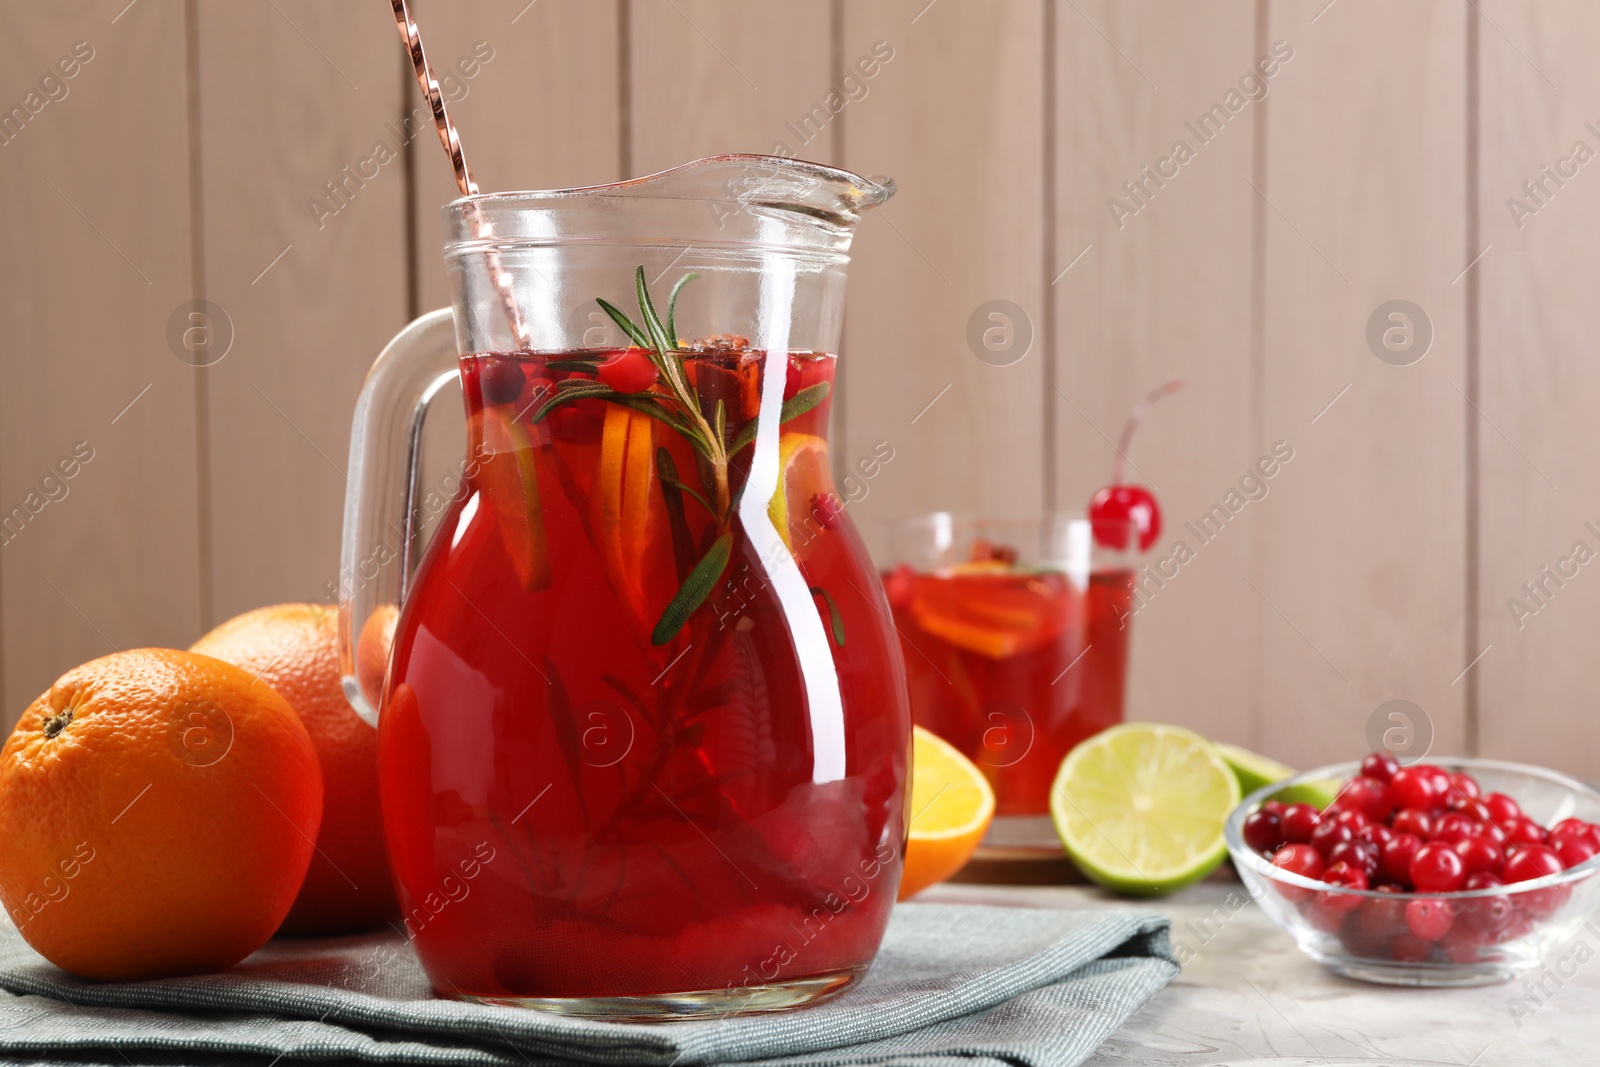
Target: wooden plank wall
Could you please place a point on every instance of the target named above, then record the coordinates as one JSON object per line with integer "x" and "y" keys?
{"x": 1372, "y": 164}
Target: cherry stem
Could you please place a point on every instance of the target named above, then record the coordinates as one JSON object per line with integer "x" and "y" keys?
{"x": 1134, "y": 418}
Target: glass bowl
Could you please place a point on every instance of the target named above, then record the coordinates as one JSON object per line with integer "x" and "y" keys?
{"x": 1495, "y": 934}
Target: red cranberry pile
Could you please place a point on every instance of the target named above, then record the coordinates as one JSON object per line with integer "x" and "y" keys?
{"x": 1415, "y": 830}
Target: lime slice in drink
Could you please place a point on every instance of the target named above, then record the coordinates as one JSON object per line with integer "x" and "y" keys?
{"x": 1140, "y": 807}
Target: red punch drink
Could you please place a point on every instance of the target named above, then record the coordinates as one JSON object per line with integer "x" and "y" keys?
{"x": 1013, "y": 663}
{"x": 1014, "y": 669}
{"x": 591, "y": 792}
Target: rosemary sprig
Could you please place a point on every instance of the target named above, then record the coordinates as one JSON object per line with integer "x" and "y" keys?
{"x": 675, "y": 403}
{"x": 662, "y": 348}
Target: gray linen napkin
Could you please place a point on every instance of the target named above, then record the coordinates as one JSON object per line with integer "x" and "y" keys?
{"x": 953, "y": 984}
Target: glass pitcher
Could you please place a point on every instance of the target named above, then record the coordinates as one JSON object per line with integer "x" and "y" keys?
{"x": 644, "y": 734}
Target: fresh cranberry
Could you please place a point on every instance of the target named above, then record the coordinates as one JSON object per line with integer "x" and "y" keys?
{"x": 1376, "y": 834}
{"x": 1414, "y": 787}
{"x": 1482, "y": 880}
{"x": 1476, "y": 810}
{"x": 628, "y": 371}
{"x": 1502, "y": 807}
{"x": 1463, "y": 944}
{"x": 1543, "y": 903}
{"x": 1324, "y": 911}
{"x": 1437, "y": 869}
{"x": 1529, "y": 861}
{"x": 539, "y": 389}
{"x": 1429, "y": 919}
{"x": 1572, "y": 850}
{"x": 1274, "y": 806}
{"x": 1413, "y": 821}
{"x": 1117, "y": 512}
{"x": 1486, "y": 915}
{"x": 1298, "y": 859}
{"x": 1409, "y": 948}
{"x": 1263, "y": 831}
{"x": 1330, "y": 832}
{"x": 1523, "y": 831}
{"x": 1345, "y": 875}
{"x": 1376, "y": 922}
{"x": 500, "y": 381}
{"x": 1379, "y": 765}
{"x": 1341, "y": 904}
{"x": 1369, "y": 796}
{"x": 1575, "y": 828}
{"x": 1463, "y": 784}
{"x": 1479, "y": 855}
{"x": 1348, "y": 817}
{"x": 1357, "y": 855}
{"x": 1490, "y": 832}
{"x": 1454, "y": 827}
{"x": 1299, "y": 820}
{"x": 1397, "y": 856}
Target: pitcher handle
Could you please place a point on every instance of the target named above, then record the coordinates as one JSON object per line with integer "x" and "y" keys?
{"x": 381, "y": 517}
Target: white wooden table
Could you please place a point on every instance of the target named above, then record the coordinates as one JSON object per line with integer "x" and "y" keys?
{"x": 1248, "y": 997}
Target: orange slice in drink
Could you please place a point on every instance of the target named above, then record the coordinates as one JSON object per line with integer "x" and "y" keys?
{"x": 628, "y": 524}
{"x": 995, "y": 615}
{"x": 509, "y": 481}
{"x": 991, "y": 641}
{"x": 951, "y": 806}
{"x": 804, "y": 474}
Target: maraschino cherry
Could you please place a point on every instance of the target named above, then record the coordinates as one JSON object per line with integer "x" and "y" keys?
{"x": 1119, "y": 509}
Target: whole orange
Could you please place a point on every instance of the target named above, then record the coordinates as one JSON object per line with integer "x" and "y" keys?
{"x": 372, "y": 651}
{"x": 294, "y": 648}
{"x": 157, "y": 813}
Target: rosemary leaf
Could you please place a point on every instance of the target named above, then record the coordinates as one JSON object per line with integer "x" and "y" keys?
{"x": 793, "y": 408}
{"x": 835, "y": 620}
{"x": 583, "y": 363}
{"x": 574, "y": 389}
{"x": 672, "y": 489}
{"x": 695, "y": 588}
{"x": 672, "y": 307}
{"x": 638, "y": 336}
{"x": 652, "y": 322}
{"x": 667, "y": 471}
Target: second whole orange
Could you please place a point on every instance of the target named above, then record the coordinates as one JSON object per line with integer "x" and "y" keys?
{"x": 294, "y": 649}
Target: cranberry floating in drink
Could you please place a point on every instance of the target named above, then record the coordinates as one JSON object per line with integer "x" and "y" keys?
{"x": 644, "y": 736}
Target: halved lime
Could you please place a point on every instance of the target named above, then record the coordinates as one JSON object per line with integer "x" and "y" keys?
{"x": 1140, "y": 807}
{"x": 1252, "y": 769}
{"x": 1318, "y": 793}
{"x": 1255, "y": 770}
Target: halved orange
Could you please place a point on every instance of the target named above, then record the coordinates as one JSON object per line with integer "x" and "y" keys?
{"x": 951, "y": 806}
{"x": 804, "y": 474}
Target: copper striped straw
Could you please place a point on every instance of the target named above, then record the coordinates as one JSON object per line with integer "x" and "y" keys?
{"x": 411, "y": 37}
